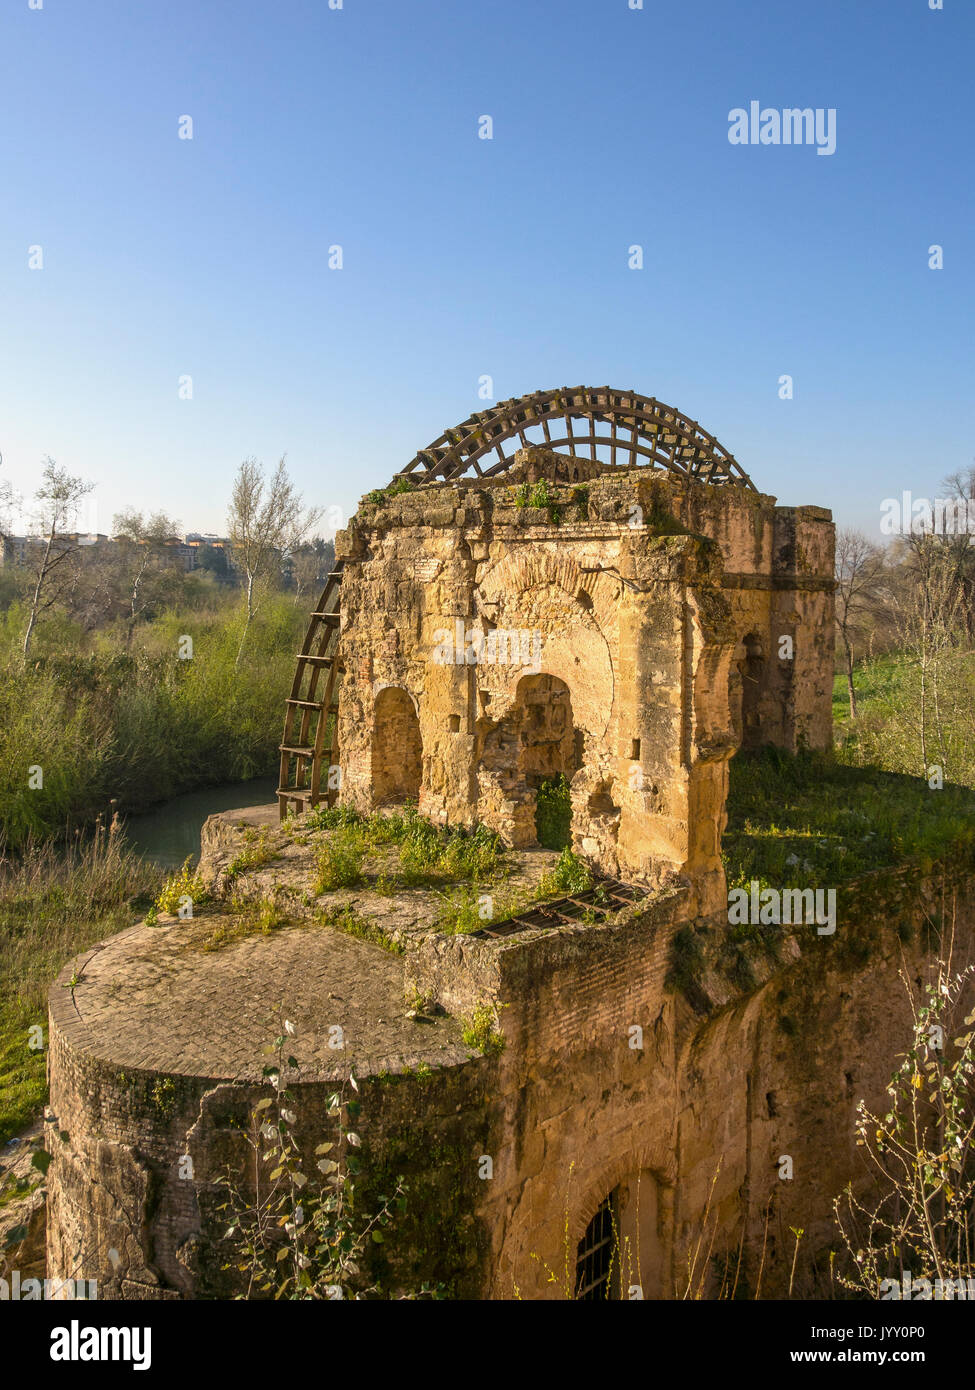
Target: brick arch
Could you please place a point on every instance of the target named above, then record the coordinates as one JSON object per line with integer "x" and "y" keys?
{"x": 380, "y": 686}
{"x": 633, "y": 1162}
{"x": 517, "y": 572}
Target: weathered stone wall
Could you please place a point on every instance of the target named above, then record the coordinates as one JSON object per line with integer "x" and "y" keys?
{"x": 753, "y": 1054}
{"x": 645, "y": 598}
{"x": 140, "y": 1156}
{"x": 768, "y": 1060}
{"x": 635, "y": 630}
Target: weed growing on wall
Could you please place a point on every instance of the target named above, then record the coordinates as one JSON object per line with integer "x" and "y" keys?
{"x": 298, "y": 1233}
{"x": 921, "y": 1227}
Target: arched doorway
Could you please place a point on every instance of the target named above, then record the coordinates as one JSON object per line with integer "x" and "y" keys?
{"x": 529, "y": 760}
{"x": 397, "y": 750}
{"x": 624, "y": 1250}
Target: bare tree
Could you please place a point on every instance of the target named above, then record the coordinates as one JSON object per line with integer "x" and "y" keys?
{"x": 59, "y": 495}
{"x": 143, "y": 544}
{"x": 930, "y": 610}
{"x": 860, "y": 572}
{"x": 266, "y": 521}
{"x": 307, "y": 567}
{"x": 953, "y": 526}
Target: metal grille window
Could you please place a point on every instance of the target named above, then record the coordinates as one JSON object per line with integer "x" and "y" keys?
{"x": 594, "y": 1258}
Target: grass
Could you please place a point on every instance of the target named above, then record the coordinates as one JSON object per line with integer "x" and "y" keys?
{"x": 892, "y": 708}
{"x": 176, "y": 889}
{"x": 469, "y": 908}
{"x": 258, "y": 851}
{"x": 428, "y": 855}
{"x": 340, "y": 862}
{"x": 811, "y": 820}
{"x": 55, "y": 902}
{"x": 463, "y": 864}
{"x": 348, "y": 920}
{"x": 247, "y": 917}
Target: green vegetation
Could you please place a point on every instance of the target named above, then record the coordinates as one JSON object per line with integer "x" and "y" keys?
{"x": 921, "y": 1143}
{"x": 380, "y": 495}
{"x": 429, "y": 855}
{"x": 312, "y": 1231}
{"x": 580, "y": 496}
{"x": 348, "y": 920}
{"x": 658, "y": 518}
{"x": 480, "y": 1030}
{"x": 811, "y": 820}
{"x": 247, "y": 917}
{"x": 340, "y": 862}
{"x": 178, "y": 887}
{"x": 53, "y": 904}
{"x": 570, "y": 875}
{"x": 110, "y": 715}
{"x": 163, "y": 1095}
{"x": 553, "y": 814}
{"x": 541, "y": 498}
{"x": 258, "y": 850}
{"x": 468, "y": 908}
{"x": 886, "y": 732}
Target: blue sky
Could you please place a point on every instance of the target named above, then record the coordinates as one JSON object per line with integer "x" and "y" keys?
{"x": 466, "y": 257}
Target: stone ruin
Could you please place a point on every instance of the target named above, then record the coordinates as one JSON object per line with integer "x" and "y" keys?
{"x": 623, "y": 625}
{"x": 615, "y": 604}
{"x": 629, "y": 636}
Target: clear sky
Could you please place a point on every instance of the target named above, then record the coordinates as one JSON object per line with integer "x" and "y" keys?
{"x": 463, "y": 257}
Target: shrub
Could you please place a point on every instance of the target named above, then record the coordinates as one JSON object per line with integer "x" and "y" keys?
{"x": 570, "y": 875}
{"x": 553, "y": 814}
{"x": 340, "y": 862}
{"x": 179, "y": 886}
{"x": 480, "y": 1031}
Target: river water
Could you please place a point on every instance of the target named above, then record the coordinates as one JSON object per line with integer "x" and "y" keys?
{"x": 169, "y": 833}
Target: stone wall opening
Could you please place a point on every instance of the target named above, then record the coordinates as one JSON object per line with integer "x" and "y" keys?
{"x": 397, "y": 749}
{"x": 533, "y": 750}
{"x": 745, "y": 686}
{"x": 597, "y": 1263}
{"x": 548, "y": 756}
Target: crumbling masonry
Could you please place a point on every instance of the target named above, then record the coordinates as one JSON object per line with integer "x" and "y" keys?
{"x": 613, "y": 603}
